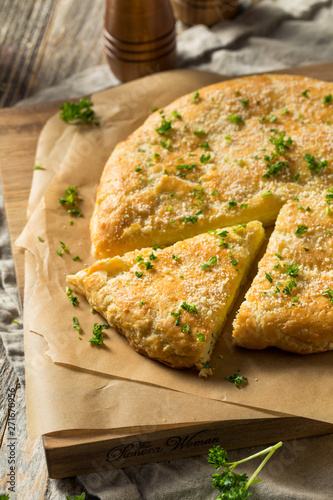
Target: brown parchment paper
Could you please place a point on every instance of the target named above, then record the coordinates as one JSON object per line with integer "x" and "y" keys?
{"x": 100, "y": 402}
{"x": 278, "y": 381}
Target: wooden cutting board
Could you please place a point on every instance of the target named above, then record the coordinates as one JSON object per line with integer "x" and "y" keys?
{"x": 81, "y": 452}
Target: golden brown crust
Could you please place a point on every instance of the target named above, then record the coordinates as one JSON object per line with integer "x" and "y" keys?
{"x": 285, "y": 307}
{"x": 140, "y": 306}
{"x": 145, "y": 200}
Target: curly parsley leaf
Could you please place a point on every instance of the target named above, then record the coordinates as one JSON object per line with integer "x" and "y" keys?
{"x": 237, "y": 380}
{"x": 82, "y": 112}
{"x": 238, "y": 120}
{"x": 211, "y": 261}
{"x": 301, "y": 230}
{"x": 73, "y": 300}
{"x": 233, "y": 486}
{"x": 165, "y": 127}
{"x": 97, "y": 338}
{"x": 313, "y": 165}
{"x": 329, "y": 294}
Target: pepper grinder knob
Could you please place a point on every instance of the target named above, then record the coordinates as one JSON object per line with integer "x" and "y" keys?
{"x": 139, "y": 37}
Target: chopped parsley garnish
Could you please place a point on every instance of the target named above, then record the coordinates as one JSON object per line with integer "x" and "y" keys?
{"x": 296, "y": 177}
{"x": 275, "y": 169}
{"x": 148, "y": 265}
{"x": 215, "y": 192}
{"x": 192, "y": 219}
{"x": 281, "y": 144}
{"x": 195, "y": 97}
{"x": 186, "y": 329}
{"x": 78, "y": 112}
{"x": 155, "y": 108}
{"x": 328, "y": 99}
{"x": 329, "y": 294}
{"x": 76, "y": 258}
{"x": 139, "y": 258}
{"x": 97, "y": 338}
{"x": 234, "y": 262}
{"x": 231, "y": 204}
{"x": 38, "y": 167}
{"x": 72, "y": 197}
{"x": 305, "y": 93}
{"x": 165, "y": 127}
{"x": 306, "y": 249}
{"x": 313, "y": 165}
{"x": 40, "y": 239}
{"x": 199, "y": 132}
{"x": 59, "y": 252}
{"x": 63, "y": 246}
{"x": 176, "y": 114}
{"x": 211, "y": 261}
{"x": 185, "y": 167}
{"x": 273, "y": 119}
{"x": 301, "y": 230}
{"x": 292, "y": 270}
{"x": 237, "y": 380}
{"x": 244, "y": 205}
{"x": 329, "y": 196}
{"x": 238, "y": 120}
{"x": 76, "y": 324}
{"x": 138, "y": 169}
{"x": 245, "y": 102}
{"x": 175, "y": 257}
{"x": 268, "y": 193}
{"x": 177, "y": 316}
{"x": 205, "y": 158}
{"x": 278, "y": 256}
{"x": 73, "y": 300}
{"x": 152, "y": 256}
{"x": 141, "y": 303}
{"x": 204, "y": 145}
{"x": 167, "y": 145}
{"x": 289, "y": 286}
{"x": 138, "y": 275}
{"x": 228, "y": 137}
{"x": 268, "y": 276}
{"x": 188, "y": 307}
{"x": 200, "y": 337}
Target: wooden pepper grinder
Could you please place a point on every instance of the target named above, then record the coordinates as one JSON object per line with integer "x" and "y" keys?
{"x": 206, "y": 12}
{"x": 139, "y": 37}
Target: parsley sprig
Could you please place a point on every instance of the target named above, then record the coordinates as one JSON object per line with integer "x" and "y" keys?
{"x": 73, "y": 112}
{"x": 235, "y": 486}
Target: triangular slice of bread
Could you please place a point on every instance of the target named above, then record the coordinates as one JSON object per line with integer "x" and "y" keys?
{"x": 172, "y": 303}
{"x": 290, "y": 302}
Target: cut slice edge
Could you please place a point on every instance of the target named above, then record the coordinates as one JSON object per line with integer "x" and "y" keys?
{"x": 172, "y": 303}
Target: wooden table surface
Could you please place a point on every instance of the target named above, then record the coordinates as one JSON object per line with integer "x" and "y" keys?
{"x": 42, "y": 42}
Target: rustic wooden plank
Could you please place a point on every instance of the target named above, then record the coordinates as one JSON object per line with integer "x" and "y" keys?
{"x": 72, "y": 454}
{"x": 45, "y": 41}
{"x": 73, "y": 43}
{"x": 25, "y": 26}
{"x": 20, "y": 126}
